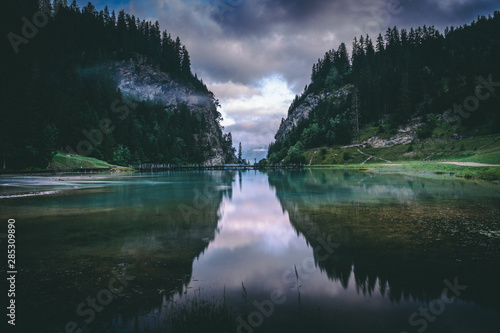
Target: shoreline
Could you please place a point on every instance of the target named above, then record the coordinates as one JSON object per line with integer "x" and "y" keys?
{"x": 455, "y": 170}
{"x": 460, "y": 170}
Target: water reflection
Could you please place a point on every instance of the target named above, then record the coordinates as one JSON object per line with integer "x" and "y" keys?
{"x": 346, "y": 251}
{"x": 386, "y": 245}
{"x": 254, "y": 240}
{"x": 70, "y": 243}
{"x": 400, "y": 237}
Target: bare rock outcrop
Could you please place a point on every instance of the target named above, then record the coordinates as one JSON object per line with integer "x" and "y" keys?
{"x": 139, "y": 80}
{"x": 310, "y": 102}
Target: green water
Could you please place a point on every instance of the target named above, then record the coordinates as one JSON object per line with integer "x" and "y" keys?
{"x": 277, "y": 251}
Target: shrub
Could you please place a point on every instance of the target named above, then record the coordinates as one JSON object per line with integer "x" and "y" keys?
{"x": 424, "y": 131}
{"x": 346, "y": 156}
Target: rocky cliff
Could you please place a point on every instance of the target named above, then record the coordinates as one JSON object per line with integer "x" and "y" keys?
{"x": 303, "y": 109}
{"x": 139, "y": 80}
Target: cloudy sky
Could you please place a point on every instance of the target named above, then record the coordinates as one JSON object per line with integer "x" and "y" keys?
{"x": 255, "y": 55}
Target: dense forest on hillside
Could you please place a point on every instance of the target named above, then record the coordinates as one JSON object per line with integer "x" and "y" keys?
{"x": 56, "y": 84}
{"x": 450, "y": 78}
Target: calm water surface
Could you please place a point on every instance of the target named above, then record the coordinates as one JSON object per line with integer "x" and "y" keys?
{"x": 278, "y": 251}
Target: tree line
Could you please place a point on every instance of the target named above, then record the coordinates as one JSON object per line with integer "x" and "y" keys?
{"x": 56, "y": 84}
{"x": 400, "y": 75}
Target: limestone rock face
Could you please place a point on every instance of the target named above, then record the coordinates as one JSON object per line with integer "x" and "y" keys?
{"x": 139, "y": 80}
{"x": 405, "y": 135}
{"x": 303, "y": 110}
{"x": 300, "y": 112}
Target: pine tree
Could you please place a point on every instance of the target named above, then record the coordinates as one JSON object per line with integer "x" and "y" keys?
{"x": 239, "y": 154}
{"x": 74, "y": 7}
{"x": 380, "y": 43}
{"x": 342, "y": 60}
{"x": 185, "y": 63}
{"x": 178, "y": 56}
{"x": 107, "y": 18}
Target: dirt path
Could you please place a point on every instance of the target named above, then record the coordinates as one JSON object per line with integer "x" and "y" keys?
{"x": 311, "y": 160}
{"x": 472, "y": 164}
{"x": 371, "y": 156}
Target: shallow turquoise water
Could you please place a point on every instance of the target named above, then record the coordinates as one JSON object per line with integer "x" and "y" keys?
{"x": 294, "y": 251}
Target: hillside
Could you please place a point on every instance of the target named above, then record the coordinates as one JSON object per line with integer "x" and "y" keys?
{"x": 401, "y": 88}
{"x": 101, "y": 85}
{"x": 139, "y": 80}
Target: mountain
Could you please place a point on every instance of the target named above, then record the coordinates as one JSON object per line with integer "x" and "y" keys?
{"x": 104, "y": 85}
{"x": 439, "y": 85}
{"x": 139, "y": 80}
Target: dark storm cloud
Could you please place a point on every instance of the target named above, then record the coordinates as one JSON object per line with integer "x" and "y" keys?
{"x": 245, "y": 40}
{"x": 461, "y": 12}
{"x": 264, "y": 37}
{"x": 257, "y": 17}
{"x": 442, "y": 13}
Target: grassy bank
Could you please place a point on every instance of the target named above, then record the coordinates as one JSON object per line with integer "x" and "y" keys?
{"x": 424, "y": 157}
{"x": 73, "y": 163}
{"x": 432, "y": 168}
{"x": 68, "y": 161}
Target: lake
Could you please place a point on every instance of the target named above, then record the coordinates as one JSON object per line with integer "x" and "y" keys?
{"x": 250, "y": 251}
